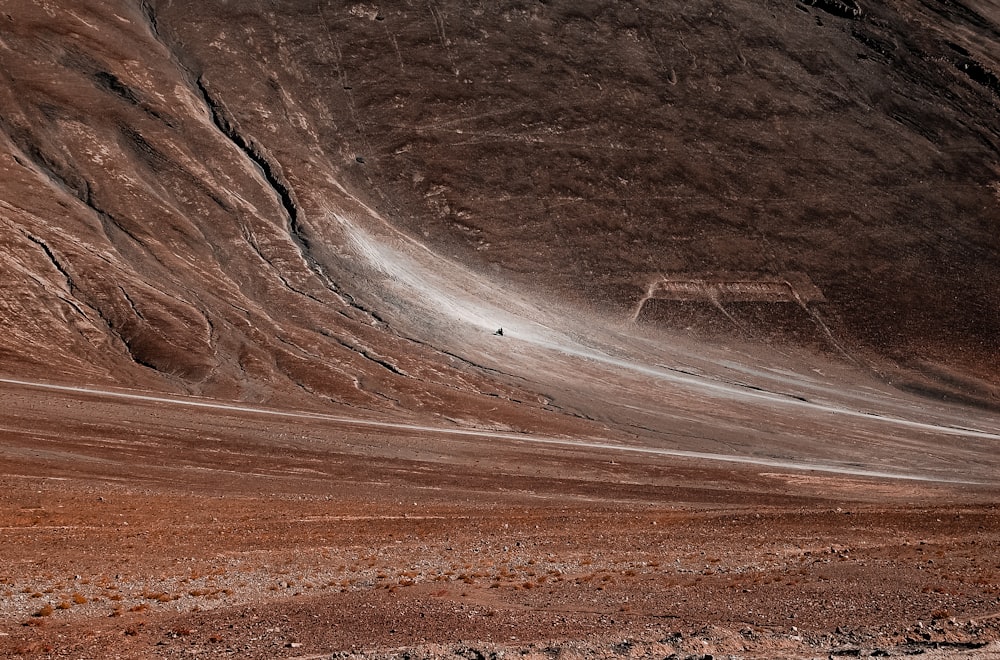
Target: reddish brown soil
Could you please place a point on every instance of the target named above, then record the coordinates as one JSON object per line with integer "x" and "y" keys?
{"x": 155, "y": 531}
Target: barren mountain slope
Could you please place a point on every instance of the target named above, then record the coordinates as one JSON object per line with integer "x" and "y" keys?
{"x": 212, "y": 196}
{"x": 819, "y": 165}
{"x": 147, "y": 244}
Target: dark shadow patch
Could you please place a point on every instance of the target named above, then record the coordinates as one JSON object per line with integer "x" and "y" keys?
{"x": 145, "y": 151}
{"x": 843, "y": 8}
{"x": 958, "y": 49}
{"x": 956, "y": 12}
{"x": 979, "y": 74}
{"x": 880, "y": 46}
{"x": 111, "y": 83}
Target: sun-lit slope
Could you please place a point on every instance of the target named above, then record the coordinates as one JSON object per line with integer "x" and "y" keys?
{"x": 201, "y": 199}
{"x": 148, "y": 243}
{"x": 117, "y": 183}
{"x": 590, "y": 150}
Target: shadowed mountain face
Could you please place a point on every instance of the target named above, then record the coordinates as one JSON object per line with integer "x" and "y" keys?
{"x": 257, "y": 200}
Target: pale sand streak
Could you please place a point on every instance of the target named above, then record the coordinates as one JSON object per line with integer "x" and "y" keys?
{"x": 475, "y": 433}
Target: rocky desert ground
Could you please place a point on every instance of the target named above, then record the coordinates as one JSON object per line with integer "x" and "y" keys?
{"x": 255, "y": 255}
{"x": 151, "y": 529}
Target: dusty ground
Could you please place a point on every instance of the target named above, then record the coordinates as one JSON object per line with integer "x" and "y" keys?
{"x": 151, "y": 530}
